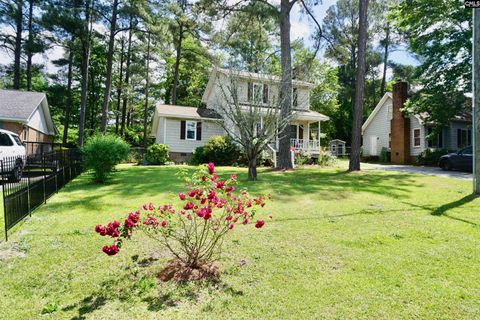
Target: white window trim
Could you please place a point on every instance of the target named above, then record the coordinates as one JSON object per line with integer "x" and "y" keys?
{"x": 419, "y": 138}
{"x": 194, "y": 131}
{"x": 260, "y": 85}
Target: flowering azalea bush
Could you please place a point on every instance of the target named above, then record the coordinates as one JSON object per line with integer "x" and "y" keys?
{"x": 193, "y": 232}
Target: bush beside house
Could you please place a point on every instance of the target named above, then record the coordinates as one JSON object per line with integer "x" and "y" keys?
{"x": 218, "y": 149}
{"x": 430, "y": 157}
{"x": 157, "y": 154}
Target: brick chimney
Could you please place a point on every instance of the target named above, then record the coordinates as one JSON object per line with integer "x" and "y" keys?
{"x": 400, "y": 126}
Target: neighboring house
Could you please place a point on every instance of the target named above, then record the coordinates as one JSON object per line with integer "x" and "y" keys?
{"x": 26, "y": 114}
{"x": 185, "y": 128}
{"x": 406, "y": 136}
{"x": 338, "y": 147}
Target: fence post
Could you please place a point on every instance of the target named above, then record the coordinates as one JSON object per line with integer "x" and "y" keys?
{"x": 44, "y": 179}
{"x": 28, "y": 189}
{"x": 4, "y": 207}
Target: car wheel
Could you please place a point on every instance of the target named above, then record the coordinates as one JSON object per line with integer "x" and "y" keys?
{"x": 446, "y": 165}
{"x": 16, "y": 174}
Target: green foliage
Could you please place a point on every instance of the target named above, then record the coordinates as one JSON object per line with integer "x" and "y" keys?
{"x": 440, "y": 34}
{"x": 326, "y": 159}
{"x": 157, "y": 154}
{"x": 302, "y": 159}
{"x": 431, "y": 157}
{"x": 219, "y": 150}
{"x": 101, "y": 154}
{"x": 50, "y": 307}
{"x": 385, "y": 155}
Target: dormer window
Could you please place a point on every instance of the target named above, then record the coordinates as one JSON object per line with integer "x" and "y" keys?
{"x": 258, "y": 92}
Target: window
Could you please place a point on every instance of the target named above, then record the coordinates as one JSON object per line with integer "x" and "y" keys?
{"x": 17, "y": 140}
{"x": 5, "y": 140}
{"x": 191, "y": 130}
{"x": 257, "y": 92}
{"x": 389, "y": 140}
{"x": 416, "y": 137}
{"x": 435, "y": 141}
{"x": 464, "y": 138}
{"x": 295, "y": 97}
{"x": 467, "y": 151}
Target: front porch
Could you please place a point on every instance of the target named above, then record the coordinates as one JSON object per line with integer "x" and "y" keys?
{"x": 304, "y": 137}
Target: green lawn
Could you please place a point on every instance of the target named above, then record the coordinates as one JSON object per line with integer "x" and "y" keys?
{"x": 380, "y": 245}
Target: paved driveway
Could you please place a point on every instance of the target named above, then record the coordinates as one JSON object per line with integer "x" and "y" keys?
{"x": 432, "y": 171}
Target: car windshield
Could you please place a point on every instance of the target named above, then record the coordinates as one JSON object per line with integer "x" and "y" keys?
{"x": 467, "y": 151}
{"x": 17, "y": 140}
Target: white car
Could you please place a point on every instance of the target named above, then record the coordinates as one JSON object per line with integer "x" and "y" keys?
{"x": 12, "y": 154}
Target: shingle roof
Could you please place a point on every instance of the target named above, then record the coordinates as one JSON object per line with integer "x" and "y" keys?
{"x": 167, "y": 110}
{"x": 19, "y": 105}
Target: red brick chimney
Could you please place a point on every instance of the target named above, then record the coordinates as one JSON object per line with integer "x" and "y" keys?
{"x": 400, "y": 126}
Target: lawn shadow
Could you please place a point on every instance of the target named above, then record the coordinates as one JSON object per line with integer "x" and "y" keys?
{"x": 441, "y": 211}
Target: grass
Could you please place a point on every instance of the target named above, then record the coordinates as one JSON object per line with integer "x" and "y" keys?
{"x": 364, "y": 245}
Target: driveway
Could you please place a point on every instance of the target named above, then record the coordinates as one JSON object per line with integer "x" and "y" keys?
{"x": 431, "y": 171}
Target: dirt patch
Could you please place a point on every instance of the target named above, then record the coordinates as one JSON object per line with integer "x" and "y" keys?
{"x": 9, "y": 251}
{"x": 179, "y": 272}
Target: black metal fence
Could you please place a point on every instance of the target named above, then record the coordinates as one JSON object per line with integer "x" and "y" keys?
{"x": 28, "y": 181}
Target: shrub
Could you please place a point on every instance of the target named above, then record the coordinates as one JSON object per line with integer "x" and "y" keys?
{"x": 385, "y": 155}
{"x": 431, "y": 157}
{"x": 326, "y": 159}
{"x": 301, "y": 158}
{"x": 157, "y": 154}
{"x": 194, "y": 232}
{"x": 218, "y": 149}
{"x": 102, "y": 153}
{"x": 198, "y": 156}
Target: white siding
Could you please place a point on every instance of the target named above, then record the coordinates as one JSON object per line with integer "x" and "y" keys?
{"x": 379, "y": 127}
{"x": 38, "y": 121}
{"x": 160, "y": 136}
{"x": 415, "y": 124}
{"x": 172, "y": 137}
{"x": 218, "y": 93}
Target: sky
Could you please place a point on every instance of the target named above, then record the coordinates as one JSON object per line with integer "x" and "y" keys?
{"x": 301, "y": 28}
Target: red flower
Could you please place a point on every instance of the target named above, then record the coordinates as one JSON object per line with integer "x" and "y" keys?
{"x": 230, "y": 226}
{"x": 164, "y": 224}
{"x": 230, "y": 189}
{"x": 100, "y": 229}
{"x": 111, "y": 251}
{"x": 188, "y": 206}
{"x": 211, "y": 168}
{"x": 259, "y": 224}
{"x": 233, "y": 177}
{"x": 204, "y": 178}
{"x": 181, "y": 196}
{"x": 245, "y": 221}
{"x": 220, "y": 184}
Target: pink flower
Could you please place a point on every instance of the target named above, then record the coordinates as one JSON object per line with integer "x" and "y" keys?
{"x": 211, "y": 168}
{"x": 220, "y": 184}
{"x": 230, "y": 189}
{"x": 233, "y": 177}
{"x": 259, "y": 224}
{"x": 245, "y": 221}
{"x": 231, "y": 226}
{"x": 164, "y": 224}
{"x": 181, "y": 196}
{"x": 111, "y": 251}
{"x": 100, "y": 229}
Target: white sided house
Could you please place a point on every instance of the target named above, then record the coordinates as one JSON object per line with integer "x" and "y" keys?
{"x": 183, "y": 129}
{"x": 406, "y": 136}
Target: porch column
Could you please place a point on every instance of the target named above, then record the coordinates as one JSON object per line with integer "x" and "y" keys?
{"x": 319, "y": 132}
{"x": 308, "y": 134}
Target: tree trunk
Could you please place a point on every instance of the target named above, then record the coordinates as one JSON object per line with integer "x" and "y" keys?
{"x": 177, "y": 66}
{"x": 108, "y": 80}
{"x": 127, "y": 77}
{"x": 68, "y": 104}
{"x": 92, "y": 101}
{"x": 385, "y": 60}
{"x": 119, "y": 88}
{"x": 354, "y": 164}
{"x": 18, "y": 44}
{"x": 30, "y": 45}
{"x": 284, "y": 158}
{"x": 145, "y": 111}
{"x": 85, "y": 63}
{"x": 252, "y": 168}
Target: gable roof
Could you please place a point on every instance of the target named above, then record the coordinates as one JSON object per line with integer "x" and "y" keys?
{"x": 166, "y": 110}
{"x": 248, "y": 76}
{"x": 20, "y": 106}
{"x": 386, "y": 97}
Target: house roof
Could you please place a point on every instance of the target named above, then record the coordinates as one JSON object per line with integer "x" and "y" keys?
{"x": 19, "y": 105}
{"x": 310, "y": 115}
{"x": 249, "y": 76}
{"x": 166, "y": 110}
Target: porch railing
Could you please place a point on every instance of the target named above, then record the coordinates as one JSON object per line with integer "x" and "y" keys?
{"x": 305, "y": 145}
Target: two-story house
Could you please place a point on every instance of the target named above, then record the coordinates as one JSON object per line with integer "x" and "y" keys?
{"x": 183, "y": 129}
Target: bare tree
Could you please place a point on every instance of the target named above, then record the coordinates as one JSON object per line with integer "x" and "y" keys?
{"x": 354, "y": 164}
{"x": 254, "y": 124}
